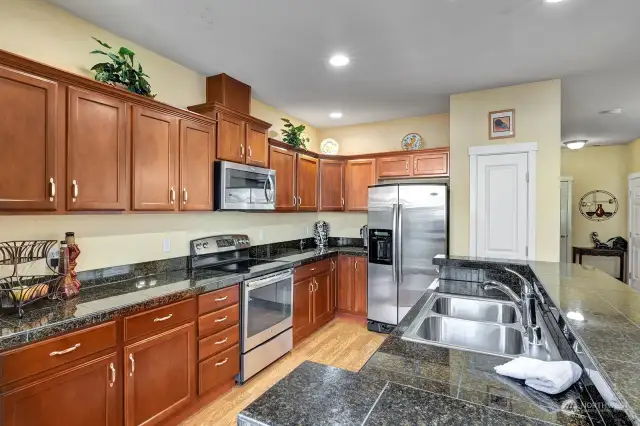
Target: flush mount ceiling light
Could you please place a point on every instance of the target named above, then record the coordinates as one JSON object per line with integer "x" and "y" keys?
{"x": 552, "y": 1}
{"x": 335, "y": 115}
{"x": 611, "y": 111}
{"x": 577, "y": 144}
{"x": 339, "y": 60}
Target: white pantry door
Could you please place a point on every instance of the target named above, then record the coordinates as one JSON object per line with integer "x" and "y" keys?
{"x": 502, "y": 205}
{"x": 634, "y": 233}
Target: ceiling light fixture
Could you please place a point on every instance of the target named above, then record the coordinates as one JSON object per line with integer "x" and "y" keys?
{"x": 611, "y": 111}
{"x": 553, "y": 1}
{"x": 339, "y": 60}
{"x": 335, "y": 115}
{"x": 577, "y": 144}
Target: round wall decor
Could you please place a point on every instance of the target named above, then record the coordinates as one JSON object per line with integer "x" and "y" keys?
{"x": 329, "y": 146}
{"x": 411, "y": 142}
{"x": 598, "y": 205}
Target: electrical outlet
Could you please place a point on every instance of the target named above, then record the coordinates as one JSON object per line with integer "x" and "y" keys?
{"x": 261, "y": 235}
{"x": 306, "y": 231}
{"x": 166, "y": 244}
{"x": 53, "y": 257}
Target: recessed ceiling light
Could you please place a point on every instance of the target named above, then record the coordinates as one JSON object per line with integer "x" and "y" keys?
{"x": 335, "y": 115}
{"x": 339, "y": 60}
{"x": 611, "y": 111}
{"x": 577, "y": 144}
{"x": 553, "y": 1}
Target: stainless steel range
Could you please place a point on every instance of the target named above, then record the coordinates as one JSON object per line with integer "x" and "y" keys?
{"x": 266, "y": 298}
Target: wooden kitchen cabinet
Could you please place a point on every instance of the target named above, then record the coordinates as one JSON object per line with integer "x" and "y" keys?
{"x": 359, "y": 175}
{"x": 434, "y": 164}
{"x": 96, "y": 152}
{"x": 284, "y": 162}
{"x": 159, "y": 376}
{"x": 397, "y": 166}
{"x": 345, "y": 284}
{"x": 331, "y": 185}
{"x": 197, "y": 154}
{"x": 312, "y": 298}
{"x": 322, "y": 303}
{"x": 83, "y": 395}
{"x": 352, "y": 285}
{"x": 360, "y": 265}
{"x": 257, "y": 145}
{"x": 28, "y": 142}
{"x": 302, "y": 309}
{"x": 307, "y": 183}
{"x": 155, "y": 160}
{"x": 231, "y": 138}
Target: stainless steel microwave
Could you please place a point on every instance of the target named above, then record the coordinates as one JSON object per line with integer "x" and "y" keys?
{"x": 242, "y": 187}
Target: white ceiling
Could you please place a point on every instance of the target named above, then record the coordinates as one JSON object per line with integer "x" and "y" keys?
{"x": 407, "y": 56}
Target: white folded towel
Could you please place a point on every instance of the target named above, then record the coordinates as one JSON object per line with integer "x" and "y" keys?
{"x": 550, "y": 377}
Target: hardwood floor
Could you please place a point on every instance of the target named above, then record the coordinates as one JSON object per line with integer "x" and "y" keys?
{"x": 344, "y": 343}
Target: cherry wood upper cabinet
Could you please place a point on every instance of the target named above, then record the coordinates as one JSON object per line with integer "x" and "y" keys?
{"x": 231, "y": 138}
{"x": 307, "y": 183}
{"x": 283, "y": 162}
{"x": 96, "y": 152}
{"x": 257, "y": 145}
{"x": 160, "y": 376}
{"x": 359, "y": 174}
{"x": 155, "y": 160}
{"x": 28, "y": 142}
{"x": 80, "y": 396}
{"x": 397, "y": 166}
{"x": 432, "y": 164}
{"x": 331, "y": 185}
{"x": 197, "y": 154}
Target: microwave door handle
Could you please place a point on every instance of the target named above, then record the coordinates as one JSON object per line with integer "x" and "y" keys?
{"x": 266, "y": 192}
{"x": 394, "y": 230}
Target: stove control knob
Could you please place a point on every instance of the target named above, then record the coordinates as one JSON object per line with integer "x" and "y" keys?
{"x": 205, "y": 245}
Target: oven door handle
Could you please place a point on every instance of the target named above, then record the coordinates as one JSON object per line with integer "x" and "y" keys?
{"x": 254, "y": 284}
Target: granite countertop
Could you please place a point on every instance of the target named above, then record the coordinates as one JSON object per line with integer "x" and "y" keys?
{"x": 310, "y": 255}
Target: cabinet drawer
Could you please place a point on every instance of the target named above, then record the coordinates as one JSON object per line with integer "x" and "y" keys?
{"x": 42, "y": 356}
{"x": 218, "y": 299}
{"x": 218, "y": 369}
{"x": 219, "y": 320}
{"x": 312, "y": 269}
{"x": 218, "y": 342}
{"x": 158, "y": 319}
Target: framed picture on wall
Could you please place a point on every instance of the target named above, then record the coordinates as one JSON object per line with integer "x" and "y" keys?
{"x": 502, "y": 124}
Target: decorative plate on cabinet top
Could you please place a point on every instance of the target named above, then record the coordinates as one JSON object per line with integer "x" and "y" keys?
{"x": 329, "y": 146}
{"x": 411, "y": 142}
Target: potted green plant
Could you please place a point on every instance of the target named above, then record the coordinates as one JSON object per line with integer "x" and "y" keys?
{"x": 121, "y": 71}
{"x": 293, "y": 134}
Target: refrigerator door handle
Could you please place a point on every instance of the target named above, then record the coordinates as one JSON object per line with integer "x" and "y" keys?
{"x": 399, "y": 240}
{"x": 394, "y": 252}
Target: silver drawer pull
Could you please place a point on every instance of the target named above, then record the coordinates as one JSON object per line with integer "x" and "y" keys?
{"x": 221, "y": 341}
{"x": 221, "y": 319}
{"x": 312, "y": 269}
{"x": 221, "y": 299}
{"x": 133, "y": 365}
{"x": 218, "y": 364}
{"x": 163, "y": 318}
{"x": 66, "y": 351}
{"x": 113, "y": 375}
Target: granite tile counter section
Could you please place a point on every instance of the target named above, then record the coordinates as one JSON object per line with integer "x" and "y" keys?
{"x": 99, "y": 303}
{"x": 303, "y": 257}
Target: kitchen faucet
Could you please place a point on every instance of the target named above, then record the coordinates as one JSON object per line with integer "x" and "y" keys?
{"x": 526, "y": 303}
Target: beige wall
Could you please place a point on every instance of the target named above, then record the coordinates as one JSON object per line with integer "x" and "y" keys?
{"x": 387, "y": 135}
{"x": 633, "y": 159}
{"x": 538, "y": 117}
{"x": 274, "y": 116}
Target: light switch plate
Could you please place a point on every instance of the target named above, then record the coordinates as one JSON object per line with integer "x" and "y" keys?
{"x": 166, "y": 244}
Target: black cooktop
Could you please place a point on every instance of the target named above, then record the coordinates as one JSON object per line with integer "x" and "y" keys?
{"x": 253, "y": 267}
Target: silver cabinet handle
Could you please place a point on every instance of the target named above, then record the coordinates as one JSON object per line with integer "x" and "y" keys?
{"x": 75, "y": 190}
{"x": 218, "y": 364}
{"x": 299, "y": 200}
{"x": 406, "y": 166}
{"x": 172, "y": 193}
{"x": 312, "y": 269}
{"x": 311, "y": 286}
{"x": 415, "y": 165}
{"x": 133, "y": 365}
{"x": 241, "y": 150}
{"x": 113, "y": 375}
{"x": 185, "y": 195}
{"x": 295, "y": 201}
{"x": 333, "y": 265}
{"x": 52, "y": 189}
{"x": 249, "y": 151}
{"x": 221, "y": 299}
{"x": 221, "y": 341}
{"x": 65, "y": 351}
{"x": 163, "y": 318}
{"x": 342, "y": 202}
{"x": 356, "y": 265}
{"x": 222, "y": 319}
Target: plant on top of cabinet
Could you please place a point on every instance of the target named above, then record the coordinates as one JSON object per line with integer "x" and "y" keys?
{"x": 121, "y": 71}
{"x": 293, "y": 134}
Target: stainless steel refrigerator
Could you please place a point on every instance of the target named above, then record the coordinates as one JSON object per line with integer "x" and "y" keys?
{"x": 408, "y": 226}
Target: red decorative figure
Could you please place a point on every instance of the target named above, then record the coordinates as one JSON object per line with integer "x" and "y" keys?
{"x": 70, "y": 285}
{"x": 599, "y": 211}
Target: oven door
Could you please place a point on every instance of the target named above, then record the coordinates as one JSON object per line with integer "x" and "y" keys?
{"x": 242, "y": 187}
{"x": 267, "y": 308}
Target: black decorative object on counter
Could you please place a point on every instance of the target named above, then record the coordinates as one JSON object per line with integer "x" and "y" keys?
{"x": 321, "y": 233}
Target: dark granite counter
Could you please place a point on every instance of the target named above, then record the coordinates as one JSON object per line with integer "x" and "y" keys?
{"x": 305, "y": 256}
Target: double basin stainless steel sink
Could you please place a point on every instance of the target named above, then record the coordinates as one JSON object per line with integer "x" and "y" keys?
{"x": 479, "y": 325}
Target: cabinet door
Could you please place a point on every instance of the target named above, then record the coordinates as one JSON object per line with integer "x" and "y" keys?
{"x": 302, "y": 309}
{"x": 331, "y": 185}
{"x": 284, "y": 163}
{"x": 231, "y": 139}
{"x": 359, "y": 285}
{"x": 394, "y": 166}
{"x": 322, "y": 303}
{"x": 358, "y": 176}
{"x": 345, "y": 284}
{"x": 27, "y": 142}
{"x": 196, "y": 166}
{"x": 155, "y": 160}
{"x": 307, "y": 183}
{"x": 257, "y": 145}
{"x": 81, "y": 396}
{"x": 160, "y": 376}
{"x": 436, "y": 164}
{"x": 334, "y": 284}
{"x": 96, "y": 152}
